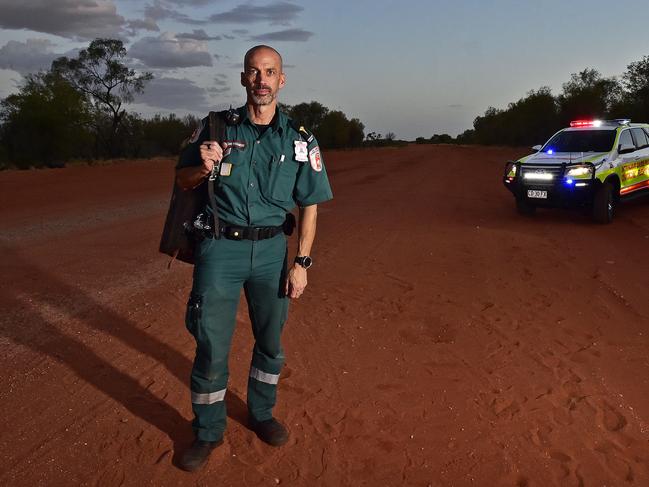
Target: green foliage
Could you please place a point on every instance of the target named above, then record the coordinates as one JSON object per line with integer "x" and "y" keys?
{"x": 377, "y": 140}
{"x": 100, "y": 73}
{"x": 634, "y": 102}
{"x": 534, "y": 118}
{"x": 441, "y": 139}
{"x": 160, "y": 135}
{"x": 332, "y": 128}
{"x": 46, "y": 123}
{"x": 587, "y": 95}
{"x": 525, "y": 122}
{"x": 309, "y": 115}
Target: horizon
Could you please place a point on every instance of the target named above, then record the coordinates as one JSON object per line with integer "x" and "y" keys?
{"x": 417, "y": 69}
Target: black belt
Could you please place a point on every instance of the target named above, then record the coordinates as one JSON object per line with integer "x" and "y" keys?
{"x": 234, "y": 232}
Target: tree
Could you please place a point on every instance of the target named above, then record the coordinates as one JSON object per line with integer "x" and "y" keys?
{"x": 587, "y": 95}
{"x": 310, "y": 114}
{"x": 527, "y": 121}
{"x": 441, "y": 139}
{"x": 635, "y": 98}
{"x": 333, "y": 132}
{"x": 46, "y": 123}
{"x": 356, "y": 133}
{"x": 100, "y": 73}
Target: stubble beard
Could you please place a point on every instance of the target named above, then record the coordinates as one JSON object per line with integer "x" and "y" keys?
{"x": 263, "y": 100}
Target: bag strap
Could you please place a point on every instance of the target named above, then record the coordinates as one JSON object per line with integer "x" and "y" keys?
{"x": 217, "y": 133}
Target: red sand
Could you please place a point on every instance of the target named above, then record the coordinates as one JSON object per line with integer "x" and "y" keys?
{"x": 443, "y": 340}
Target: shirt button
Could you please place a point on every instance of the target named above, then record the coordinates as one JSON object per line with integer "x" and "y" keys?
{"x": 258, "y": 141}
{"x": 252, "y": 185}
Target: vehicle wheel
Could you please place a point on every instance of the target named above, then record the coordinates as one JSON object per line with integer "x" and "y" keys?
{"x": 524, "y": 207}
{"x": 604, "y": 204}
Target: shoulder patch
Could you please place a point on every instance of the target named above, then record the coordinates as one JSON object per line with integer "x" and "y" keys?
{"x": 315, "y": 159}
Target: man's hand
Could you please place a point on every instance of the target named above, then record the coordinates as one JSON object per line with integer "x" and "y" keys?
{"x": 211, "y": 153}
{"x": 192, "y": 176}
{"x": 296, "y": 281}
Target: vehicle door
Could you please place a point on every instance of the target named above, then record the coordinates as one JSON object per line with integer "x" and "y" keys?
{"x": 635, "y": 164}
{"x": 627, "y": 157}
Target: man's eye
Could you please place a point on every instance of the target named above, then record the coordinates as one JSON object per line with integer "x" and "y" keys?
{"x": 271, "y": 72}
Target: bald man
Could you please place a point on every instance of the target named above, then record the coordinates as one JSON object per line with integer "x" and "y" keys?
{"x": 266, "y": 166}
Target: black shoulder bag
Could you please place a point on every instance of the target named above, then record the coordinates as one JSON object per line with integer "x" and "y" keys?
{"x": 186, "y": 223}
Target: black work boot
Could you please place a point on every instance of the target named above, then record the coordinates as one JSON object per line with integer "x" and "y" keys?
{"x": 197, "y": 455}
{"x": 270, "y": 431}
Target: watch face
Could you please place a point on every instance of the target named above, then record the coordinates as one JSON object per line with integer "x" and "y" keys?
{"x": 305, "y": 261}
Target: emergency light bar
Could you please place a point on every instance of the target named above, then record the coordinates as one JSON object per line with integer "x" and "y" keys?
{"x": 599, "y": 123}
{"x": 586, "y": 123}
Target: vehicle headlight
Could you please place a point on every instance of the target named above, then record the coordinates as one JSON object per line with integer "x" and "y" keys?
{"x": 579, "y": 172}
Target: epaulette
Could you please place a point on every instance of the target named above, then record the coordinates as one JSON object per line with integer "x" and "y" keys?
{"x": 308, "y": 136}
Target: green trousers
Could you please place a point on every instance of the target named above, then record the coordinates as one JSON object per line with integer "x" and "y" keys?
{"x": 222, "y": 268}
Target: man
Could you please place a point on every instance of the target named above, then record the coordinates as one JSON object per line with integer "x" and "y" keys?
{"x": 266, "y": 166}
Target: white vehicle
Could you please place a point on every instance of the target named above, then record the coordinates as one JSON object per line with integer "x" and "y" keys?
{"x": 593, "y": 164}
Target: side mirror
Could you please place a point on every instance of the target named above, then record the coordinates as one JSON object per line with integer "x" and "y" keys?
{"x": 537, "y": 148}
{"x": 625, "y": 148}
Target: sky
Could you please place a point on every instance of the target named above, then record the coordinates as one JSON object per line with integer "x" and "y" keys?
{"x": 414, "y": 68}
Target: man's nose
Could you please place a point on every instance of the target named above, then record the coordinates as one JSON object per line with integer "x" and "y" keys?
{"x": 261, "y": 77}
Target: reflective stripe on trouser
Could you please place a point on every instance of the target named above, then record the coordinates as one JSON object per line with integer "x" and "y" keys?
{"x": 222, "y": 268}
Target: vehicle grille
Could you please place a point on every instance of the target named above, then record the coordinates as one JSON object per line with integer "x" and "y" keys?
{"x": 540, "y": 174}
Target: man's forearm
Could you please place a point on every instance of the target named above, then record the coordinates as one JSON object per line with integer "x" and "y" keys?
{"x": 190, "y": 177}
{"x": 306, "y": 229}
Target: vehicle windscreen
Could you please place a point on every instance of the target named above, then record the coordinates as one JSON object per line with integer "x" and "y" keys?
{"x": 581, "y": 141}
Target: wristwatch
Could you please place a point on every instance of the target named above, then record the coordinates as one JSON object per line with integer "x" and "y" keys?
{"x": 305, "y": 261}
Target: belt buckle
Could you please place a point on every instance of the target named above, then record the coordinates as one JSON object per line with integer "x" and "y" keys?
{"x": 236, "y": 233}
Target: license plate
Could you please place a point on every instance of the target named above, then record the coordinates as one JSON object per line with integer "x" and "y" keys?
{"x": 534, "y": 193}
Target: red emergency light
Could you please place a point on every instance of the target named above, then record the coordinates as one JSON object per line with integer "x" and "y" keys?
{"x": 585, "y": 123}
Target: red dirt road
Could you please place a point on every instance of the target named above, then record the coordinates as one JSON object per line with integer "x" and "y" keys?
{"x": 443, "y": 340}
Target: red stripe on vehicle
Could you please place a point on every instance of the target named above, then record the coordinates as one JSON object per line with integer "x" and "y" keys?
{"x": 634, "y": 187}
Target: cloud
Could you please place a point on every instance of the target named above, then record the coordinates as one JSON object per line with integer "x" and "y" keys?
{"x": 27, "y": 57}
{"x": 296, "y": 35}
{"x": 85, "y": 19}
{"x": 190, "y": 2}
{"x": 240, "y": 32}
{"x": 160, "y": 10}
{"x": 221, "y": 85}
{"x": 142, "y": 24}
{"x": 198, "y": 35}
{"x": 217, "y": 91}
{"x": 174, "y": 94}
{"x": 277, "y": 13}
{"x": 167, "y": 51}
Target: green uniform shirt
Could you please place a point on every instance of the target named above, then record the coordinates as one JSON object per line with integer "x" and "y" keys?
{"x": 262, "y": 177}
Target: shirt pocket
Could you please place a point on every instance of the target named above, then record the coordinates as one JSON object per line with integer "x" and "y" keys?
{"x": 282, "y": 177}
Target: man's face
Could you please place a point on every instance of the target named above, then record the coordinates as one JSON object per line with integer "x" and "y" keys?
{"x": 263, "y": 77}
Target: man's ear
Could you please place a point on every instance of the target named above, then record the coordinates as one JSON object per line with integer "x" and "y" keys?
{"x": 243, "y": 79}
